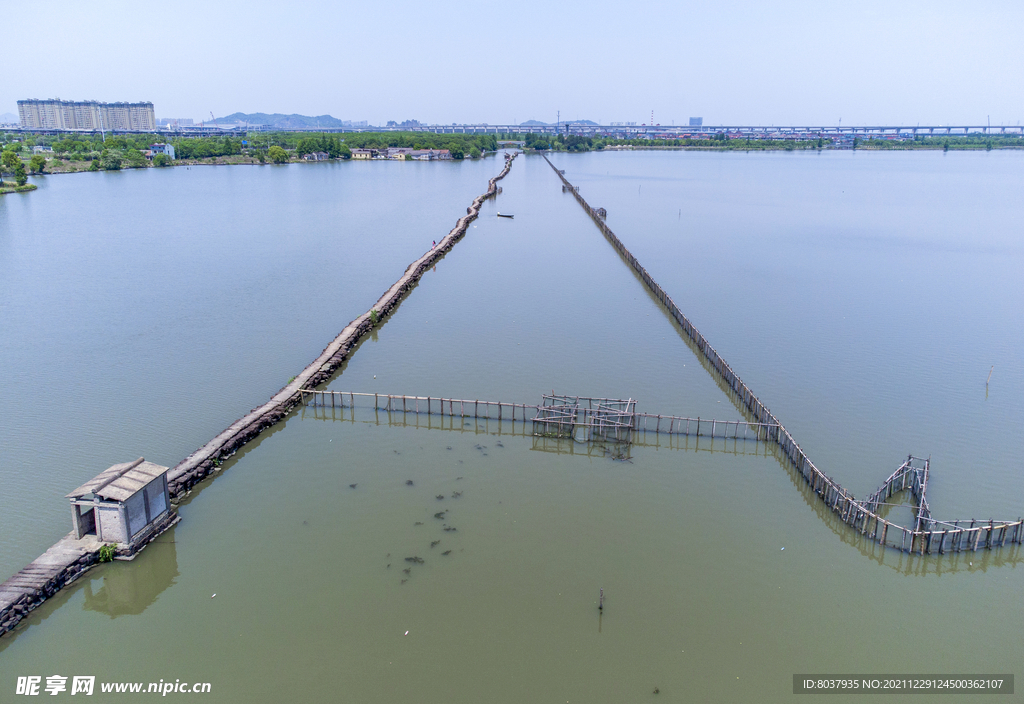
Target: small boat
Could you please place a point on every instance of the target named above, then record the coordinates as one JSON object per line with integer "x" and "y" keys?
{"x": 502, "y": 215}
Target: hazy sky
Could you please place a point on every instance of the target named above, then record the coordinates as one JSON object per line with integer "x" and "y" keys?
{"x": 776, "y": 63}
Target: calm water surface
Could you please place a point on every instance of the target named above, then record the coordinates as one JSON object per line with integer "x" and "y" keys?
{"x": 142, "y": 312}
{"x": 864, "y": 297}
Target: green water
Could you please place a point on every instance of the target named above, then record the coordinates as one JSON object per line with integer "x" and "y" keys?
{"x": 143, "y": 312}
{"x": 686, "y": 540}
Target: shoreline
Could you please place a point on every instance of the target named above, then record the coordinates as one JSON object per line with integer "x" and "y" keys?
{"x": 240, "y": 160}
{"x": 5, "y": 189}
{"x": 235, "y": 160}
{"x": 753, "y": 147}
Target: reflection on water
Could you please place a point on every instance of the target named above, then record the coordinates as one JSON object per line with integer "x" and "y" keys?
{"x": 489, "y": 426}
{"x": 129, "y": 588}
{"x": 121, "y": 333}
{"x": 721, "y": 578}
{"x": 571, "y": 446}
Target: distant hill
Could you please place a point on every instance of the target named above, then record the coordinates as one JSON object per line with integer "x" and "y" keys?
{"x": 9, "y": 119}
{"x": 283, "y": 121}
{"x": 538, "y": 123}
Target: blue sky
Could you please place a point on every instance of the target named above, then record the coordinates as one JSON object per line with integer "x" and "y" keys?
{"x": 730, "y": 62}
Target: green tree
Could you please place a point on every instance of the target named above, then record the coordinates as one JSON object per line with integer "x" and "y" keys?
{"x": 38, "y": 164}
{"x": 457, "y": 150}
{"x": 161, "y": 160}
{"x": 345, "y": 152}
{"x": 110, "y": 160}
{"x": 277, "y": 154}
{"x": 134, "y": 158}
{"x": 9, "y": 160}
{"x": 20, "y": 177}
{"x": 308, "y": 145}
{"x": 474, "y": 152}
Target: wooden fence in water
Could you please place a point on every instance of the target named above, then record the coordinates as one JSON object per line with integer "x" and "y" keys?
{"x": 523, "y": 412}
{"x": 738, "y": 438}
{"x": 924, "y": 538}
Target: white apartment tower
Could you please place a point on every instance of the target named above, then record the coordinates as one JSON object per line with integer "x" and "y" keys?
{"x": 56, "y": 114}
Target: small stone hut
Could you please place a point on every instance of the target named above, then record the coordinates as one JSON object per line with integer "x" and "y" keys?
{"x": 126, "y": 504}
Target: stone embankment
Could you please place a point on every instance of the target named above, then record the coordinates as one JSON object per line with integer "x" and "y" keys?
{"x": 62, "y": 564}
{"x": 206, "y": 459}
{"x": 59, "y": 566}
{"x": 68, "y": 559}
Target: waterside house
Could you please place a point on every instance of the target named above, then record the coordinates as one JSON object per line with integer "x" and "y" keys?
{"x": 401, "y": 153}
{"x": 364, "y": 153}
{"x": 128, "y": 504}
{"x": 316, "y": 156}
{"x": 161, "y": 148}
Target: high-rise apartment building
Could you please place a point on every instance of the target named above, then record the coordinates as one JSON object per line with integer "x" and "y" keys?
{"x": 56, "y": 114}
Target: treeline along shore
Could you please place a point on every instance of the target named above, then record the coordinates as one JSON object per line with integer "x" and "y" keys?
{"x": 74, "y": 153}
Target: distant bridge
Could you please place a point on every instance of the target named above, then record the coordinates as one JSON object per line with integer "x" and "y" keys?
{"x": 754, "y": 131}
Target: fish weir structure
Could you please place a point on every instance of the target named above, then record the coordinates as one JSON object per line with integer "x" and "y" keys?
{"x": 607, "y": 420}
{"x": 926, "y": 536}
{"x": 610, "y": 425}
{"x": 732, "y": 444}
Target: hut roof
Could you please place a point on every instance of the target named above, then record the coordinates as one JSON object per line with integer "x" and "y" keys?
{"x": 120, "y": 481}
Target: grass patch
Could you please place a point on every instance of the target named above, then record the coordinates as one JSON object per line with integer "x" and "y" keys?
{"x": 11, "y": 188}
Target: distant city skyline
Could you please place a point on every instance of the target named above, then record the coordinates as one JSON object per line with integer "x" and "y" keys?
{"x": 330, "y": 122}
{"x": 789, "y": 63}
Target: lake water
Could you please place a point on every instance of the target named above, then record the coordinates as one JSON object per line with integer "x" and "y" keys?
{"x": 863, "y": 296}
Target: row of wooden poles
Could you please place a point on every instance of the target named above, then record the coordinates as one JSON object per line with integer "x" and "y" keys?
{"x": 837, "y": 498}
{"x": 501, "y": 410}
{"x": 733, "y": 443}
{"x": 906, "y": 476}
